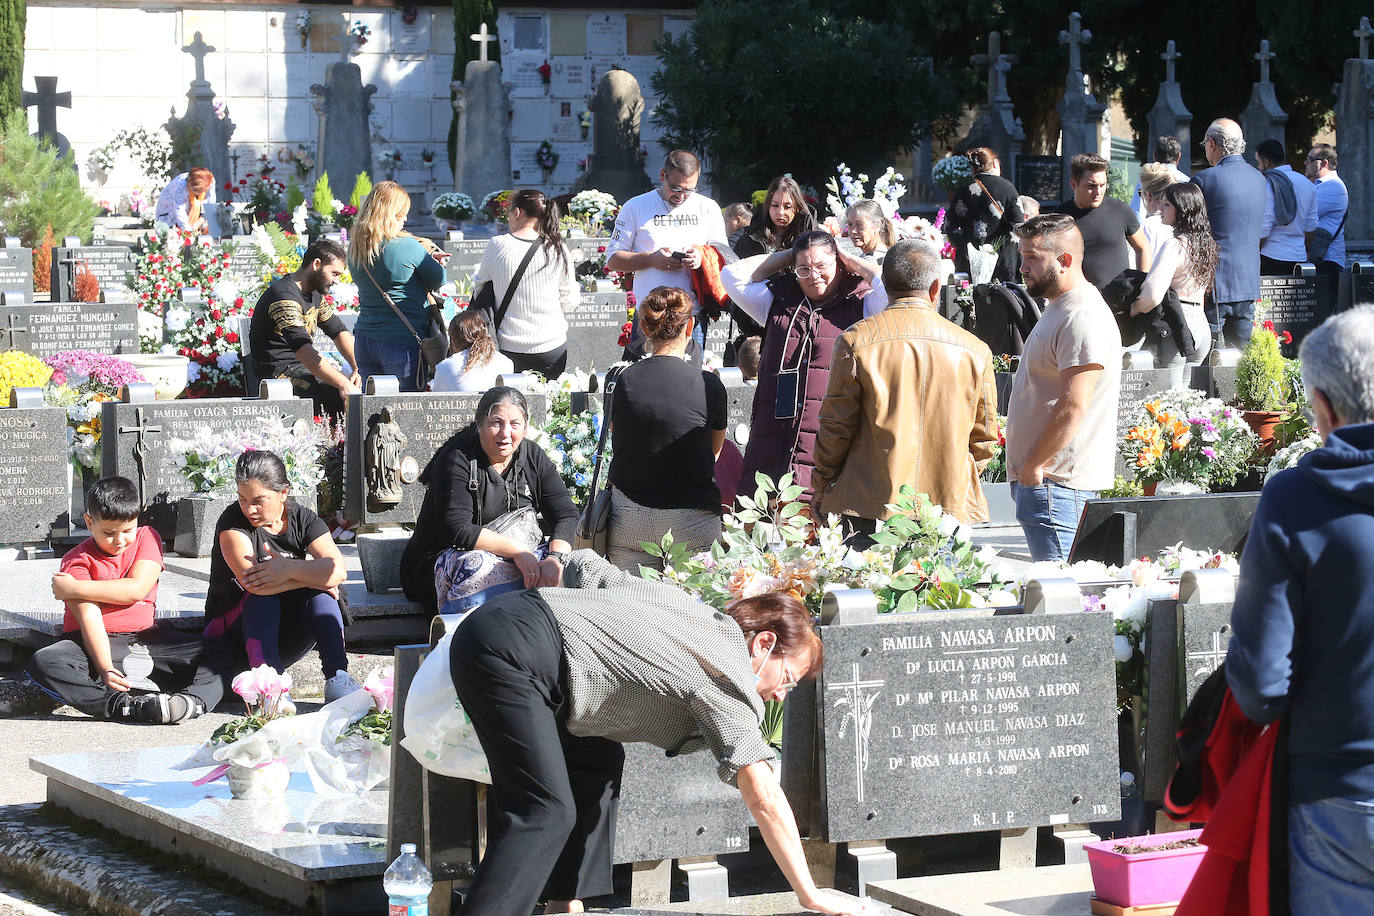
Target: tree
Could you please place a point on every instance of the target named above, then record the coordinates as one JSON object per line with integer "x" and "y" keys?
{"x": 468, "y": 16}
{"x": 38, "y": 190}
{"x": 763, "y": 87}
{"x": 12, "y": 19}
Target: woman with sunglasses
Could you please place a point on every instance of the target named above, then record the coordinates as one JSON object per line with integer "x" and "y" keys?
{"x": 555, "y": 679}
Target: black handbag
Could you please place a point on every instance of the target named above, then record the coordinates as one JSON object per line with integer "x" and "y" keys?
{"x": 485, "y": 298}
{"x": 593, "y": 525}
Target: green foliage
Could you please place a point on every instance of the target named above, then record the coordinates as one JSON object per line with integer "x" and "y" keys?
{"x": 12, "y": 21}
{"x": 294, "y": 195}
{"x": 1260, "y": 374}
{"x": 362, "y": 186}
{"x": 751, "y": 52}
{"x": 37, "y": 189}
{"x": 184, "y": 152}
{"x": 153, "y": 152}
{"x": 1121, "y": 487}
{"x": 323, "y": 198}
{"x": 1117, "y": 185}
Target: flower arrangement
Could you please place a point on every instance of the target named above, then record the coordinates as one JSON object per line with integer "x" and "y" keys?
{"x": 360, "y": 32}
{"x": 304, "y": 160}
{"x": 345, "y": 216}
{"x": 546, "y": 156}
{"x": 545, "y": 72}
{"x": 388, "y": 158}
{"x": 849, "y": 190}
{"x": 952, "y": 172}
{"x": 495, "y": 205}
{"x": 922, "y": 230}
{"x": 265, "y": 693}
{"x": 921, "y": 556}
{"x": 454, "y": 205}
{"x": 628, "y": 327}
{"x": 81, "y": 381}
{"x": 570, "y": 439}
{"x": 594, "y": 209}
{"x": 303, "y": 26}
{"x": 427, "y": 155}
{"x": 375, "y": 727}
{"x": 1287, "y": 457}
{"x": 1186, "y": 437}
{"x": 20, "y": 370}
{"x": 207, "y": 459}
{"x": 996, "y": 469}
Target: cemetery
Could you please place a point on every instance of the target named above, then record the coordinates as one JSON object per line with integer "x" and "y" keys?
{"x": 983, "y": 731}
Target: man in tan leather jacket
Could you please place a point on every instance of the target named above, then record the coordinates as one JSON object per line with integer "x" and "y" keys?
{"x": 912, "y": 399}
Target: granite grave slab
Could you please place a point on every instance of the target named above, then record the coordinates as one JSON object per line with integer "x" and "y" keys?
{"x": 739, "y": 396}
{"x": 35, "y": 472}
{"x": 466, "y": 258}
{"x": 1055, "y": 890}
{"x": 952, "y": 723}
{"x": 48, "y": 328}
{"x": 672, "y": 807}
{"x": 594, "y": 331}
{"x": 16, "y": 271}
{"x": 245, "y": 267}
{"x": 111, "y": 265}
{"x": 753, "y": 905}
{"x": 1297, "y": 305}
{"x": 1215, "y": 381}
{"x": 136, "y": 440}
{"x": 1117, "y": 531}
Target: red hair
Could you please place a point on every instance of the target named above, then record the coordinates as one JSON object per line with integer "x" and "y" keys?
{"x": 786, "y": 618}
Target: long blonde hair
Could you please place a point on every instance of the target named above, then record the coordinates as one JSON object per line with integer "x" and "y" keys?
{"x": 380, "y": 217}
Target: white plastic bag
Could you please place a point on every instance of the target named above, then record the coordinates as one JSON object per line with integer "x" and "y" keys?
{"x": 438, "y": 733}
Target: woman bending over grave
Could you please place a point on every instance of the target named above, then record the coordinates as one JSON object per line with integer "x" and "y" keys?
{"x": 668, "y": 426}
{"x": 532, "y": 286}
{"x": 274, "y": 579}
{"x": 474, "y": 362}
{"x": 181, "y": 203}
{"x": 1185, "y": 264}
{"x": 395, "y": 273}
{"x": 496, "y": 515}
{"x": 555, "y": 679}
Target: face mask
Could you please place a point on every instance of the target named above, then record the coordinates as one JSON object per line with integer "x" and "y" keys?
{"x": 758, "y": 678}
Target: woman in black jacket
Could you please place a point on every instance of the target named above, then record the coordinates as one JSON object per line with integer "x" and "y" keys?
{"x": 783, "y": 218}
{"x": 482, "y": 472}
{"x": 983, "y": 213}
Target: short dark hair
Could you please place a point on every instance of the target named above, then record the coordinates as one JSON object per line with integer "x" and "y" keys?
{"x": 1324, "y": 151}
{"x": 113, "y": 499}
{"x": 1086, "y": 164}
{"x": 1052, "y": 231}
{"x": 326, "y": 250}
{"x": 1271, "y": 150}
{"x": 266, "y": 468}
{"x": 682, "y": 162}
{"x": 749, "y": 353}
{"x": 1167, "y": 149}
{"x": 816, "y": 238}
{"x": 910, "y": 266}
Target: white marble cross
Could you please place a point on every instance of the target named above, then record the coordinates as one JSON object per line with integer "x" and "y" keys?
{"x": 1169, "y": 56}
{"x": 1076, "y": 37}
{"x": 1264, "y": 56}
{"x": 858, "y": 697}
{"x": 998, "y": 64}
{"x": 199, "y": 49}
{"x": 1364, "y": 33}
{"x": 482, "y": 37}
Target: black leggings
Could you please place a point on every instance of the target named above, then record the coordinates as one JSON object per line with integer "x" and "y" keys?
{"x": 552, "y": 805}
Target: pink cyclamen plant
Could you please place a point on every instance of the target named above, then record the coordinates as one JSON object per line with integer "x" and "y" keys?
{"x": 381, "y": 685}
{"x": 261, "y": 689}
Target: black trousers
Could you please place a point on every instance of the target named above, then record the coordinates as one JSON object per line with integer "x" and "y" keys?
{"x": 1272, "y": 267}
{"x": 182, "y": 663}
{"x": 549, "y": 364}
{"x": 552, "y": 805}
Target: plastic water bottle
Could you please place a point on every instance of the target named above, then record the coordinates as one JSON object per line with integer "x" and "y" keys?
{"x": 407, "y": 883}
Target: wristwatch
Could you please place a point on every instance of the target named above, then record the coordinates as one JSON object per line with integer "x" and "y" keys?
{"x": 561, "y": 556}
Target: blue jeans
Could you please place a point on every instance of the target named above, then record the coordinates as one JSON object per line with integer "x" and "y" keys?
{"x": 1331, "y": 857}
{"x": 1235, "y": 319}
{"x": 382, "y": 357}
{"x": 1049, "y": 516}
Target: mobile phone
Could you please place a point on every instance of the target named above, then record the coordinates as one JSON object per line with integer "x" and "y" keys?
{"x": 679, "y": 255}
{"x": 785, "y": 406}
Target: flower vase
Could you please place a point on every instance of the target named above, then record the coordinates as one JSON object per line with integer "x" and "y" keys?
{"x": 197, "y": 517}
{"x": 269, "y": 780}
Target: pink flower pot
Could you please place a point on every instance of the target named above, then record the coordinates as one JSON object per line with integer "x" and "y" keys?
{"x": 1146, "y": 877}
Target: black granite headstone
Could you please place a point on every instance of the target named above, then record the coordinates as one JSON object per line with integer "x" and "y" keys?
{"x": 594, "y": 331}
{"x": 467, "y": 256}
{"x": 1040, "y": 177}
{"x": 111, "y": 265}
{"x": 16, "y": 271}
{"x": 45, "y": 329}
{"x": 672, "y": 807}
{"x": 1361, "y": 286}
{"x": 1117, "y": 531}
{"x": 1215, "y": 381}
{"x": 1137, "y": 387}
{"x": 1296, "y": 305}
{"x": 952, "y": 723}
{"x": 1004, "y": 380}
{"x": 35, "y": 472}
{"x": 739, "y": 396}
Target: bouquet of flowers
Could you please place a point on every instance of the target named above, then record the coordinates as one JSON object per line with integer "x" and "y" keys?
{"x": 361, "y": 755}
{"x": 922, "y": 230}
{"x": 81, "y": 381}
{"x": 303, "y": 25}
{"x": 345, "y": 216}
{"x": 849, "y": 189}
{"x": 952, "y": 172}
{"x": 996, "y": 469}
{"x": 454, "y": 205}
{"x": 593, "y": 208}
{"x": 570, "y": 439}
{"x": 207, "y": 459}
{"x": 1287, "y": 457}
{"x": 1186, "y": 437}
{"x": 20, "y": 370}
{"x": 426, "y": 155}
{"x": 303, "y": 159}
{"x": 360, "y": 32}
{"x": 546, "y": 156}
{"x": 495, "y": 205}
{"x": 588, "y": 269}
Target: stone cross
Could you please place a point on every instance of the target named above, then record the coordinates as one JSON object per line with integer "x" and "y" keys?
{"x": 858, "y": 696}
{"x": 1169, "y": 56}
{"x": 347, "y": 45}
{"x": 9, "y": 330}
{"x": 1364, "y": 33}
{"x": 1075, "y": 38}
{"x": 998, "y": 64}
{"x": 48, "y": 99}
{"x": 482, "y": 36}
{"x": 199, "y": 49}
{"x": 141, "y": 448}
{"x": 1264, "y": 56}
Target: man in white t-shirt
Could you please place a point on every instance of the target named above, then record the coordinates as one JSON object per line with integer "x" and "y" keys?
{"x": 1289, "y": 218}
{"x": 656, "y": 235}
{"x": 1061, "y": 422}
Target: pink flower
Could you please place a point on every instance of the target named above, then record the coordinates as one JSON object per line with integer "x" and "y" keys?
{"x": 381, "y": 685}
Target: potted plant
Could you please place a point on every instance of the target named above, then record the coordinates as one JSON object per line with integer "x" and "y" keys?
{"x": 452, "y": 208}
{"x": 1145, "y": 870}
{"x": 1184, "y": 442}
{"x": 1261, "y": 382}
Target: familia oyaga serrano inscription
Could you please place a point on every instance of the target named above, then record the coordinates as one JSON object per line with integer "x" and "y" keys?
{"x": 953, "y": 723}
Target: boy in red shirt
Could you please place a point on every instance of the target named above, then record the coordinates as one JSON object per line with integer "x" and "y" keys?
{"x": 110, "y": 641}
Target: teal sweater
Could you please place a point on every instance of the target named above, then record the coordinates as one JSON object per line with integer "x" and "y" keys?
{"x": 406, "y": 271}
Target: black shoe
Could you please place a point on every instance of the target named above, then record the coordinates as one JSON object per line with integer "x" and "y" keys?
{"x": 150, "y": 707}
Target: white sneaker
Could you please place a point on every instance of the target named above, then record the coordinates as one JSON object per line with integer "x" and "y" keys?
{"x": 340, "y": 685}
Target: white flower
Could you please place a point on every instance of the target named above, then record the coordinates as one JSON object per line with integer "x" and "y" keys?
{"x": 192, "y": 371}
{"x": 948, "y": 525}
{"x": 297, "y": 222}
{"x": 853, "y": 560}
{"x": 227, "y": 361}
{"x": 1002, "y": 598}
{"x": 1001, "y": 572}
{"x": 1122, "y": 648}
{"x": 177, "y": 318}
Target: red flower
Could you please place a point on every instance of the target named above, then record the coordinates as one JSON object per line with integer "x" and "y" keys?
{"x": 545, "y": 71}
{"x": 601, "y": 249}
{"x": 219, "y": 331}
{"x": 216, "y": 314}
{"x": 238, "y": 303}
{"x": 625, "y": 329}
{"x": 1286, "y": 337}
{"x": 232, "y": 337}
{"x": 228, "y": 186}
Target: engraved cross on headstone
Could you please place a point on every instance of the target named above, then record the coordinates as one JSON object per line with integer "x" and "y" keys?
{"x": 48, "y": 99}
{"x": 1169, "y": 56}
{"x": 9, "y": 330}
{"x": 482, "y": 36}
{"x": 998, "y": 64}
{"x": 140, "y": 449}
{"x": 1076, "y": 37}
{"x": 199, "y": 49}
{"x": 1264, "y": 56}
{"x": 1208, "y": 660}
{"x": 1364, "y": 33}
{"x": 858, "y": 696}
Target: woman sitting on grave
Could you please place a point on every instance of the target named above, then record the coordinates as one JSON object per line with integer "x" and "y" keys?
{"x": 983, "y": 213}
{"x": 869, "y": 229}
{"x": 496, "y": 514}
{"x": 532, "y": 286}
{"x": 181, "y": 203}
{"x": 667, "y": 427}
{"x": 1185, "y": 263}
{"x": 474, "y": 362}
{"x": 395, "y": 272}
{"x": 555, "y": 679}
{"x": 274, "y": 578}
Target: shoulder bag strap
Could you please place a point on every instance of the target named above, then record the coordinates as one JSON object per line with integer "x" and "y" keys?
{"x": 1341, "y": 224}
{"x": 611, "y": 378}
{"x": 997, "y": 208}
{"x": 394, "y": 307}
{"x": 514, "y": 282}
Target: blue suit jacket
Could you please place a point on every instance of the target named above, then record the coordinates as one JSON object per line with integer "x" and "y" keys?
{"x": 1234, "y": 191}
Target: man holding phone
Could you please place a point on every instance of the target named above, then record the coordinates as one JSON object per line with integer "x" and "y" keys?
{"x": 658, "y": 237}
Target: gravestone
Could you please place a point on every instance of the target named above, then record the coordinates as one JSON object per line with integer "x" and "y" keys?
{"x": 1080, "y": 115}
{"x": 614, "y": 165}
{"x": 485, "y": 142}
{"x": 594, "y": 331}
{"x": 16, "y": 270}
{"x": 1004, "y": 381}
{"x": 47, "y": 100}
{"x": 466, "y": 257}
{"x": 136, "y": 436}
{"x": 674, "y": 807}
{"x": 111, "y": 265}
{"x": 1170, "y": 117}
{"x": 1360, "y": 283}
{"x": 968, "y": 721}
{"x": 246, "y": 265}
{"x": 1298, "y": 305}
{"x": 1137, "y": 387}
{"x": 1116, "y": 531}
{"x": 739, "y": 398}
{"x": 35, "y": 470}
{"x": 345, "y": 105}
{"x": 1215, "y": 381}
{"x": 1263, "y": 119}
{"x": 212, "y": 145}
{"x": 996, "y": 126}
{"x": 1354, "y": 122}
{"x": 426, "y": 420}
{"x": 1040, "y": 177}
{"x": 48, "y": 328}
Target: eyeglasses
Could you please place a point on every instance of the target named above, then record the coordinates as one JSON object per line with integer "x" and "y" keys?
{"x": 1315, "y": 159}
{"x": 806, "y": 273}
{"x": 788, "y": 681}
{"x": 685, "y": 192}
